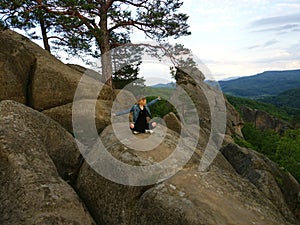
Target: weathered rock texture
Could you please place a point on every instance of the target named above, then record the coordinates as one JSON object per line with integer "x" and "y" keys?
{"x": 278, "y": 186}
{"x": 191, "y": 197}
{"x": 63, "y": 114}
{"x": 262, "y": 120}
{"x": 59, "y": 144}
{"x": 218, "y": 196}
{"x": 196, "y": 90}
{"x": 33, "y": 149}
{"x": 32, "y": 76}
{"x": 172, "y": 122}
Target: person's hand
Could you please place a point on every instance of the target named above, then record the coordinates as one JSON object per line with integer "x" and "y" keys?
{"x": 153, "y": 124}
{"x": 131, "y": 125}
{"x": 113, "y": 114}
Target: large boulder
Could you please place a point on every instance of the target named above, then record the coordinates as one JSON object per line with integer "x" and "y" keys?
{"x": 41, "y": 80}
{"x": 278, "y": 186}
{"x": 201, "y": 93}
{"x": 218, "y": 196}
{"x": 16, "y": 68}
{"x": 31, "y": 190}
{"x": 63, "y": 114}
{"x": 172, "y": 122}
{"x": 192, "y": 197}
{"x": 59, "y": 144}
{"x": 109, "y": 202}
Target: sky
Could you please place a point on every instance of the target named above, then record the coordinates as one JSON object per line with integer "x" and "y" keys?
{"x": 234, "y": 38}
{"x": 244, "y": 37}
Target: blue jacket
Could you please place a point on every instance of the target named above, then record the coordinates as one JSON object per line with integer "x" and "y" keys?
{"x": 136, "y": 110}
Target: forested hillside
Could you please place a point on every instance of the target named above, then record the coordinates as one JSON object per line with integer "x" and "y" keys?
{"x": 289, "y": 98}
{"x": 261, "y": 85}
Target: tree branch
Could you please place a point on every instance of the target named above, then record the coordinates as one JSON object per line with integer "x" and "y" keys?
{"x": 89, "y": 23}
{"x": 166, "y": 52}
{"x": 135, "y": 4}
{"x": 57, "y": 37}
{"x": 128, "y": 23}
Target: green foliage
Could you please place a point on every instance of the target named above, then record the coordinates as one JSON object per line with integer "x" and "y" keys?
{"x": 282, "y": 113}
{"x": 82, "y": 25}
{"x": 161, "y": 108}
{"x": 243, "y": 143}
{"x": 2, "y": 25}
{"x": 288, "y": 152}
{"x": 262, "y": 141}
{"x": 128, "y": 75}
{"x": 284, "y": 150}
{"x": 289, "y": 98}
{"x": 163, "y": 92}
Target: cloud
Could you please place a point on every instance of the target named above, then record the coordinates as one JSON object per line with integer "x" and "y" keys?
{"x": 279, "y": 24}
{"x": 271, "y": 42}
{"x": 287, "y": 19}
{"x": 266, "y": 44}
{"x": 254, "y": 47}
{"x": 293, "y": 27}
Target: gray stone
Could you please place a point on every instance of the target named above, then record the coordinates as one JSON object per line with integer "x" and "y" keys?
{"x": 278, "y": 186}
{"x": 59, "y": 144}
{"x": 31, "y": 190}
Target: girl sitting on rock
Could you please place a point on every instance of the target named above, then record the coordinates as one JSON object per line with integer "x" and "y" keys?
{"x": 140, "y": 112}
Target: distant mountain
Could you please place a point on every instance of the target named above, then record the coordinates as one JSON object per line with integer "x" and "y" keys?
{"x": 289, "y": 98}
{"x": 168, "y": 85}
{"x": 270, "y": 83}
{"x": 231, "y": 78}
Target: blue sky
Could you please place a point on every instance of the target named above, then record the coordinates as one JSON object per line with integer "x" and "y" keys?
{"x": 244, "y": 37}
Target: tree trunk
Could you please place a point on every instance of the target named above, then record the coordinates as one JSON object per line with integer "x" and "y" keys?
{"x": 106, "y": 60}
{"x": 44, "y": 34}
{"x": 106, "y": 68}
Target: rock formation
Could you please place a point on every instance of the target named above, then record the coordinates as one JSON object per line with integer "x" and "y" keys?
{"x": 172, "y": 122}
{"x": 262, "y": 120}
{"x": 218, "y": 196}
{"x": 278, "y": 186}
{"x": 234, "y": 122}
{"x": 35, "y": 152}
{"x": 34, "y": 77}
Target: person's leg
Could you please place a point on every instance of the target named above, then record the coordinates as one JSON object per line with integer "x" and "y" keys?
{"x": 149, "y": 128}
{"x": 153, "y": 125}
{"x": 132, "y": 128}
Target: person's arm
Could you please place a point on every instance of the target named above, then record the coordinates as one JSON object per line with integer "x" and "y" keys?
{"x": 153, "y": 101}
{"x": 124, "y": 112}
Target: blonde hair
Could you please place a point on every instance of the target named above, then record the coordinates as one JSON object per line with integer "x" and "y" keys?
{"x": 138, "y": 101}
{"x": 140, "y": 98}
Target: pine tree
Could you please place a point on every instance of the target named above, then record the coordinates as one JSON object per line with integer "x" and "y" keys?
{"x": 106, "y": 24}
{"x": 97, "y": 26}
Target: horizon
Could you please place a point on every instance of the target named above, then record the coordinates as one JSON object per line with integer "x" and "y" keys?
{"x": 225, "y": 79}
